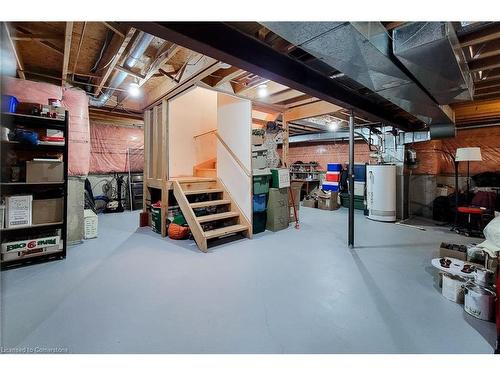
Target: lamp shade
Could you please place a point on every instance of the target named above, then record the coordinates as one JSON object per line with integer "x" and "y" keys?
{"x": 468, "y": 154}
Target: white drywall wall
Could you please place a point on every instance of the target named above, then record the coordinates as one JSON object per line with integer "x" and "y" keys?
{"x": 235, "y": 127}
{"x": 190, "y": 114}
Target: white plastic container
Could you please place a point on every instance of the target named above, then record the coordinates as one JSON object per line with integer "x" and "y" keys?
{"x": 381, "y": 192}
{"x": 90, "y": 224}
{"x": 453, "y": 288}
{"x": 479, "y": 302}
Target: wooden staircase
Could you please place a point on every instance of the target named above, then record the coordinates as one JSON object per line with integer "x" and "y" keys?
{"x": 209, "y": 210}
{"x": 206, "y": 169}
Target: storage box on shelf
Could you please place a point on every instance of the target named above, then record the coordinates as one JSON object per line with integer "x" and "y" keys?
{"x": 36, "y": 175}
{"x": 280, "y": 178}
{"x": 259, "y": 157}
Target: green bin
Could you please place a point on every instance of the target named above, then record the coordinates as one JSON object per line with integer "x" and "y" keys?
{"x": 261, "y": 184}
{"x": 156, "y": 219}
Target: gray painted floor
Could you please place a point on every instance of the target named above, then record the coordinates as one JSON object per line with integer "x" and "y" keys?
{"x": 295, "y": 291}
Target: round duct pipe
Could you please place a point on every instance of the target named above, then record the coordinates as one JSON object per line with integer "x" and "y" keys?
{"x": 439, "y": 131}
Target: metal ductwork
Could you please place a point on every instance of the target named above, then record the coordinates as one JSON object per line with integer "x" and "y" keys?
{"x": 362, "y": 50}
{"x": 432, "y": 53}
{"x": 142, "y": 43}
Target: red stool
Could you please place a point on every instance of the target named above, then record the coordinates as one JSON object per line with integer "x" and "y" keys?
{"x": 469, "y": 211}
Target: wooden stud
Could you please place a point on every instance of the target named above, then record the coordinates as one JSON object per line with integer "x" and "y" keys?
{"x": 112, "y": 26}
{"x": 67, "y": 50}
{"x": 80, "y": 42}
{"x": 19, "y": 61}
{"x": 285, "y": 144}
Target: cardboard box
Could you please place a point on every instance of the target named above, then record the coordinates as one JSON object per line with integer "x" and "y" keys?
{"x": 48, "y": 210}
{"x": 328, "y": 201}
{"x": 257, "y": 139}
{"x": 18, "y": 210}
{"x": 277, "y": 224}
{"x": 312, "y": 203}
{"x": 259, "y": 157}
{"x": 32, "y": 244}
{"x": 453, "y": 251}
{"x": 44, "y": 171}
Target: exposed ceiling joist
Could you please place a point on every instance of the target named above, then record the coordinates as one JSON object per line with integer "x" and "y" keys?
{"x": 311, "y": 110}
{"x": 67, "y": 50}
{"x": 487, "y": 83}
{"x": 481, "y": 36}
{"x": 226, "y": 75}
{"x": 49, "y": 45}
{"x": 19, "y": 61}
{"x": 114, "y": 27}
{"x": 129, "y": 72}
{"x": 36, "y": 37}
{"x": 115, "y": 60}
{"x": 241, "y": 88}
{"x": 80, "y": 42}
{"x": 225, "y": 42}
{"x": 284, "y": 95}
{"x": 484, "y": 64}
{"x": 488, "y": 49}
{"x": 158, "y": 63}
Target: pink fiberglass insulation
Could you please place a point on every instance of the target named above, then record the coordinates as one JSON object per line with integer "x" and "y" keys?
{"x": 75, "y": 101}
{"x": 110, "y": 145}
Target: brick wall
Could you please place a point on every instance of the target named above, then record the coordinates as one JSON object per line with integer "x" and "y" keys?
{"x": 325, "y": 153}
{"x": 432, "y": 161}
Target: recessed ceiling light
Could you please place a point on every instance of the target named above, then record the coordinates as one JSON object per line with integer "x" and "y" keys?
{"x": 134, "y": 90}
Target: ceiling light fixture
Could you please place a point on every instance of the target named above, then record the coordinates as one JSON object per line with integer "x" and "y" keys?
{"x": 262, "y": 90}
{"x": 134, "y": 90}
{"x": 334, "y": 125}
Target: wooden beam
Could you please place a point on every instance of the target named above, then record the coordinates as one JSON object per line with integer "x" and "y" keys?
{"x": 36, "y": 37}
{"x": 80, "y": 42}
{"x": 240, "y": 88}
{"x": 115, "y": 28}
{"x": 487, "y": 91}
{"x": 477, "y": 111}
{"x": 115, "y": 60}
{"x": 484, "y": 64}
{"x": 67, "y": 50}
{"x": 284, "y": 95}
{"x": 40, "y": 42}
{"x": 487, "y": 84}
{"x": 17, "y": 56}
{"x": 226, "y": 75}
{"x": 159, "y": 61}
{"x": 129, "y": 72}
{"x": 488, "y": 49}
{"x": 311, "y": 110}
{"x": 481, "y": 36}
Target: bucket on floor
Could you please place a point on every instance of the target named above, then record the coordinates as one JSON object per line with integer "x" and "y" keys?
{"x": 453, "y": 288}
{"x": 479, "y": 302}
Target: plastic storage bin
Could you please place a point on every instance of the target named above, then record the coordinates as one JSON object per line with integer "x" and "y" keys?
{"x": 334, "y": 167}
{"x": 332, "y": 176}
{"x": 259, "y": 202}
{"x": 259, "y": 222}
{"x": 9, "y": 103}
{"x": 261, "y": 184}
{"x": 359, "y": 203}
{"x": 259, "y": 157}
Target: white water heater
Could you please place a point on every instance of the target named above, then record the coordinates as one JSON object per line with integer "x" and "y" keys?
{"x": 381, "y": 192}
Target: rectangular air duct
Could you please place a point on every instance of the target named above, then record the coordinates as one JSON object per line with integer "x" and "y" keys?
{"x": 362, "y": 50}
{"x": 432, "y": 53}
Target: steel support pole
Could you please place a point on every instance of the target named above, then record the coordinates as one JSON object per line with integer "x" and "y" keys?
{"x": 351, "y": 180}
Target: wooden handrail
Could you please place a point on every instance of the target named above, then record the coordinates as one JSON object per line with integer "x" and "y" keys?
{"x": 233, "y": 155}
{"x": 205, "y": 133}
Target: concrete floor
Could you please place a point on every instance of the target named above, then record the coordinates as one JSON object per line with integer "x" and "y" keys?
{"x": 295, "y": 291}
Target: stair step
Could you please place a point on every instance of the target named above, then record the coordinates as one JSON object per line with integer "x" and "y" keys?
{"x": 203, "y": 191}
{"x": 220, "y": 216}
{"x": 193, "y": 180}
{"x": 218, "y": 202}
{"x": 225, "y": 230}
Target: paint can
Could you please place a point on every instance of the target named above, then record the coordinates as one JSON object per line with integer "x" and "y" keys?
{"x": 484, "y": 276}
{"x": 453, "y": 288}
{"x": 479, "y": 302}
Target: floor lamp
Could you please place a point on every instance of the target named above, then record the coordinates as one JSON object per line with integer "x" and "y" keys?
{"x": 467, "y": 154}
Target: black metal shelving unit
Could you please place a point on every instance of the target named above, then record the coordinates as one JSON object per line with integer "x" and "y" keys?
{"x": 53, "y": 189}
